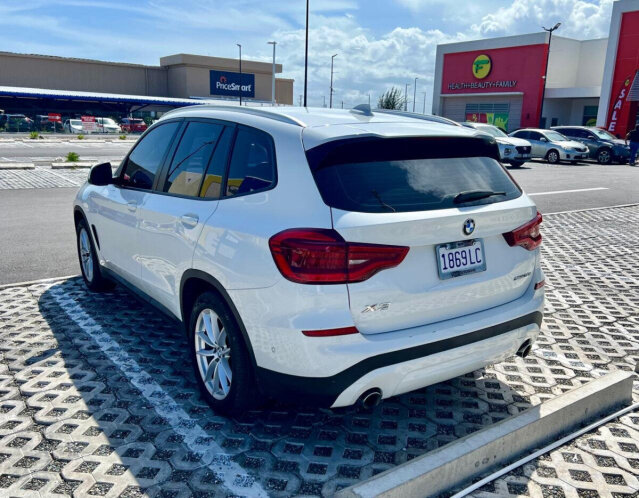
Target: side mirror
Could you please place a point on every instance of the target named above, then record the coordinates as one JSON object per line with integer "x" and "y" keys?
{"x": 101, "y": 174}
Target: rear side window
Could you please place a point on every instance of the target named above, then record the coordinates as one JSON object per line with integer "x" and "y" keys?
{"x": 191, "y": 159}
{"x": 145, "y": 160}
{"x": 408, "y": 174}
{"x": 252, "y": 165}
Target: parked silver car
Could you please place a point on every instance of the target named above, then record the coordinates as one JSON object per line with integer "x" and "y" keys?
{"x": 512, "y": 150}
{"x": 552, "y": 146}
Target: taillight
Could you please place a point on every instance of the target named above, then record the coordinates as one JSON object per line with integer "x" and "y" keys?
{"x": 526, "y": 236}
{"x": 321, "y": 256}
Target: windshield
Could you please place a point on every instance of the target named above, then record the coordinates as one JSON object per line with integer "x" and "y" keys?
{"x": 108, "y": 121}
{"x": 408, "y": 174}
{"x": 553, "y": 136}
{"x": 75, "y": 122}
{"x": 603, "y": 134}
{"x": 491, "y": 130}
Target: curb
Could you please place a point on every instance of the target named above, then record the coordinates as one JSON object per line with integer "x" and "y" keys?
{"x": 457, "y": 463}
{"x": 32, "y": 282}
{"x": 16, "y": 165}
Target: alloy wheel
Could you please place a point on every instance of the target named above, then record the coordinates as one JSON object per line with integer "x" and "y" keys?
{"x": 86, "y": 256}
{"x": 604, "y": 157}
{"x": 553, "y": 157}
{"x": 213, "y": 354}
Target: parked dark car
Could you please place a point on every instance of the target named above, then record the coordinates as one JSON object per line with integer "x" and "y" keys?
{"x": 15, "y": 122}
{"x": 42, "y": 123}
{"x": 603, "y": 146}
{"x": 133, "y": 125}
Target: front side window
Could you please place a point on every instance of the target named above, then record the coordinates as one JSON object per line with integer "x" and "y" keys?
{"x": 145, "y": 160}
{"x": 522, "y": 134}
{"x": 534, "y": 135}
{"x": 191, "y": 159}
{"x": 252, "y": 165}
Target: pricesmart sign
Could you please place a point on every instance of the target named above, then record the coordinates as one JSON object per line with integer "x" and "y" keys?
{"x": 228, "y": 84}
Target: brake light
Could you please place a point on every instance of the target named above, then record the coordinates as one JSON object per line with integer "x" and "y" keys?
{"x": 527, "y": 236}
{"x": 320, "y": 256}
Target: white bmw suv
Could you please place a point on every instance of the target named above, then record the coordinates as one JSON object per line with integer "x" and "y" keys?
{"x": 323, "y": 256}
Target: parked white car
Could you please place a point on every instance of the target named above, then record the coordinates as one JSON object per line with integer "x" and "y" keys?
{"x": 552, "y": 145}
{"x": 322, "y": 256}
{"x": 106, "y": 125}
{"x": 512, "y": 150}
{"x": 73, "y": 126}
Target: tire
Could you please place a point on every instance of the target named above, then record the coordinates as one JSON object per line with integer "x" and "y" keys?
{"x": 553, "y": 156}
{"x": 604, "y": 156}
{"x": 228, "y": 396}
{"x": 516, "y": 164}
{"x": 88, "y": 259}
{"x": 574, "y": 163}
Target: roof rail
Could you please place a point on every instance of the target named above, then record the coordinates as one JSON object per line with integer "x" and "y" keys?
{"x": 424, "y": 117}
{"x": 255, "y": 111}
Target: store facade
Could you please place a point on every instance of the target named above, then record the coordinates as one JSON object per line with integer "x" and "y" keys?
{"x": 501, "y": 80}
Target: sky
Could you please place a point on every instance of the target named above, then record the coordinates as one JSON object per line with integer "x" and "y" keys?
{"x": 380, "y": 43}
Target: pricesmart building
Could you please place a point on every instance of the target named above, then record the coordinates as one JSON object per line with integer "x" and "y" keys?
{"x": 500, "y": 80}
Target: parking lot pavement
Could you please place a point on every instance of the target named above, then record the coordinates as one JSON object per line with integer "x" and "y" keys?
{"x": 96, "y": 395}
{"x": 564, "y": 187}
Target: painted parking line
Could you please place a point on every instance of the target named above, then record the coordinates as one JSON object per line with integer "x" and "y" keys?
{"x": 234, "y": 477}
{"x": 570, "y": 191}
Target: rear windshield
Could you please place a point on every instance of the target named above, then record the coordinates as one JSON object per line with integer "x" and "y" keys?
{"x": 409, "y": 174}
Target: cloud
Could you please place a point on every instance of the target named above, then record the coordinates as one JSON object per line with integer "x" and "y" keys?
{"x": 580, "y": 19}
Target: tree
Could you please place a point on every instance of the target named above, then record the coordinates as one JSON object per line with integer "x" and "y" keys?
{"x": 391, "y": 99}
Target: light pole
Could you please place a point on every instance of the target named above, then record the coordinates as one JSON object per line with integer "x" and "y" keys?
{"x": 406, "y": 97}
{"x": 424, "y": 111}
{"x": 543, "y": 93}
{"x": 414, "y": 94}
{"x": 273, "y": 82}
{"x": 240, "y": 47}
{"x": 330, "y": 99}
{"x": 306, "y": 57}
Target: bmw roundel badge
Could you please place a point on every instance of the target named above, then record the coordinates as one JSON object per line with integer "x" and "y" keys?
{"x": 469, "y": 226}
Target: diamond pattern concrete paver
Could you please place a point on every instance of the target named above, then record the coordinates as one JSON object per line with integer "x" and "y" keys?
{"x": 97, "y": 397}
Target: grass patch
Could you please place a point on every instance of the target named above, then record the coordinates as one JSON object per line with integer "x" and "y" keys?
{"x": 72, "y": 157}
{"x": 34, "y": 135}
{"x": 80, "y": 136}
{"x": 122, "y": 137}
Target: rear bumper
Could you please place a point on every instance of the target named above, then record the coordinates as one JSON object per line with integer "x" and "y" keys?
{"x": 408, "y": 369}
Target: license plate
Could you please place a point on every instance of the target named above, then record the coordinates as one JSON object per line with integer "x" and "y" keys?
{"x": 460, "y": 258}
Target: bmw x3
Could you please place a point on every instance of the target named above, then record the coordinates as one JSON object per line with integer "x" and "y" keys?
{"x": 321, "y": 256}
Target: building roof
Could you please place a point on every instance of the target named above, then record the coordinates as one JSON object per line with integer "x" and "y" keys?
{"x": 44, "y": 93}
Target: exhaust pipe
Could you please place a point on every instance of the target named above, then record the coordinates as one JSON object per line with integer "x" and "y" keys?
{"x": 371, "y": 398}
{"x": 524, "y": 349}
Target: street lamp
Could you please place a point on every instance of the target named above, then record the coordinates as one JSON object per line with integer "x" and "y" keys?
{"x": 414, "y": 94}
{"x": 306, "y": 58}
{"x": 240, "y": 47}
{"x": 406, "y": 97}
{"x": 273, "y": 82}
{"x": 543, "y": 93}
{"x": 424, "y": 111}
{"x": 330, "y": 99}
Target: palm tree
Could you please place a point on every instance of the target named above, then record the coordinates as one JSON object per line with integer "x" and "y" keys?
{"x": 391, "y": 99}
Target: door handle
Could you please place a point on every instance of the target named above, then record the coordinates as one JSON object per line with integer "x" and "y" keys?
{"x": 189, "y": 220}
{"x": 132, "y": 205}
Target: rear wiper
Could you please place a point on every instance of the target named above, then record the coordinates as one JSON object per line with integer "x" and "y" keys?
{"x": 474, "y": 195}
{"x": 381, "y": 201}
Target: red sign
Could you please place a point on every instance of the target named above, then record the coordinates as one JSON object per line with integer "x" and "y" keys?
{"x": 622, "y": 112}
{"x": 88, "y": 123}
{"x": 513, "y": 70}
{"x": 55, "y": 118}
